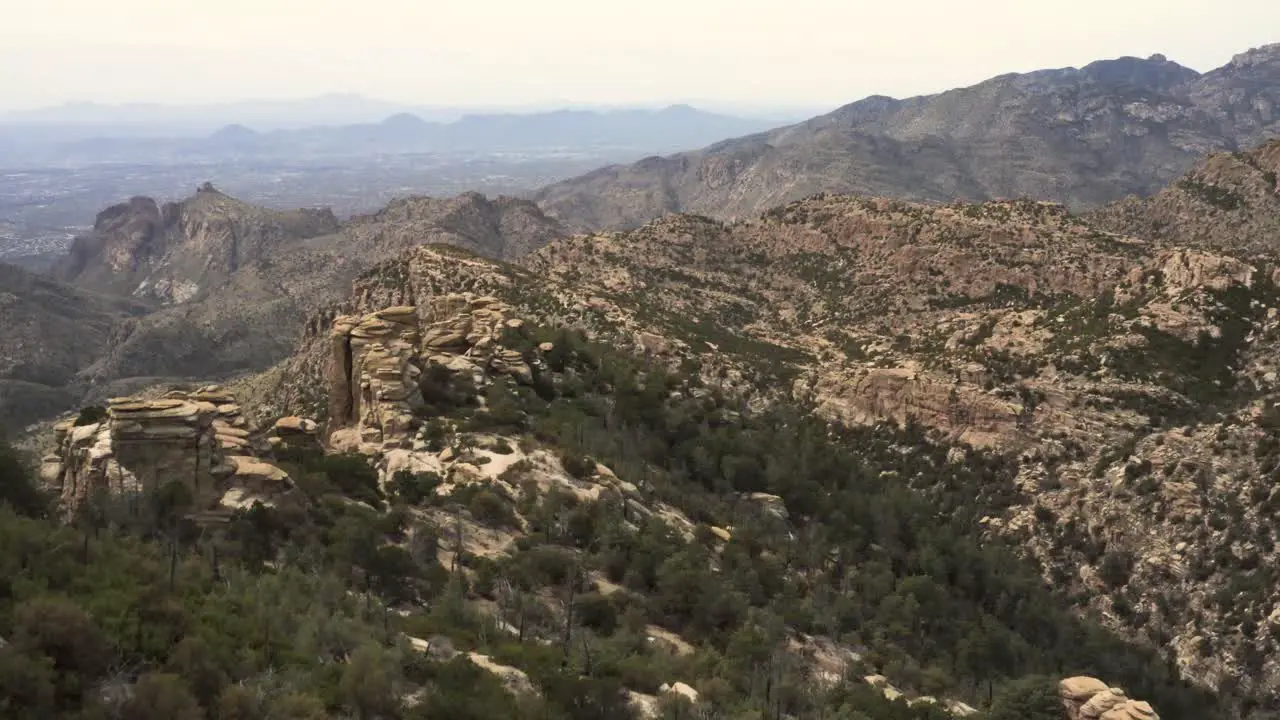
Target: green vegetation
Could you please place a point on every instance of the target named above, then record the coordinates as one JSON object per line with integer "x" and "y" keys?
{"x": 1218, "y": 197}
{"x": 300, "y": 611}
{"x": 90, "y": 415}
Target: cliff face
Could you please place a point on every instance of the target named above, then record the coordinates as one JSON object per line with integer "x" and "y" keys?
{"x": 173, "y": 254}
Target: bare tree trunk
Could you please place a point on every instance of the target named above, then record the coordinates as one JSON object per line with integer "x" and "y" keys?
{"x": 568, "y": 615}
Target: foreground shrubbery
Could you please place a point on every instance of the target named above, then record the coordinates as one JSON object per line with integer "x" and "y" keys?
{"x": 288, "y": 613}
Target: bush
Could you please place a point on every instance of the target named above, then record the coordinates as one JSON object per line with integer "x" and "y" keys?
{"x": 1115, "y": 569}
{"x": 488, "y": 508}
{"x": 1032, "y": 698}
{"x": 91, "y": 415}
{"x": 18, "y": 489}
{"x": 414, "y": 488}
{"x": 352, "y": 475}
{"x": 597, "y": 612}
{"x": 578, "y": 465}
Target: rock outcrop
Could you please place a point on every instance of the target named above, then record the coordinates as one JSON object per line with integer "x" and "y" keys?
{"x": 1086, "y": 698}
{"x": 377, "y": 363}
{"x": 175, "y": 252}
{"x": 199, "y": 438}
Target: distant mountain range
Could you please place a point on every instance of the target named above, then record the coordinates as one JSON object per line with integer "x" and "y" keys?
{"x": 1082, "y": 136}
{"x": 673, "y": 128}
{"x": 135, "y": 119}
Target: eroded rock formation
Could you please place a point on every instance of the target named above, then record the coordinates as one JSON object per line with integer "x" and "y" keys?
{"x": 377, "y": 361}
{"x": 198, "y": 438}
{"x": 1087, "y": 698}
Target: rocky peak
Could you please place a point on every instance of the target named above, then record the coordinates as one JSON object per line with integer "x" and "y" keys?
{"x": 503, "y": 227}
{"x": 126, "y": 238}
{"x": 1155, "y": 73}
{"x": 173, "y": 253}
{"x": 1254, "y": 57}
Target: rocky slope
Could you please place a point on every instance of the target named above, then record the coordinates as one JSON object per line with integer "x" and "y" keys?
{"x": 1131, "y": 380}
{"x": 1078, "y": 136}
{"x": 1230, "y": 202}
{"x": 51, "y": 331}
{"x": 469, "y": 410}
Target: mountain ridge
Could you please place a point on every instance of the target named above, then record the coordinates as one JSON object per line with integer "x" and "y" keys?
{"x": 1083, "y": 136}
{"x": 676, "y": 127}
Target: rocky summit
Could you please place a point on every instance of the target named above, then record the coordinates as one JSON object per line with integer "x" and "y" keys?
{"x": 175, "y": 252}
{"x": 1080, "y": 136}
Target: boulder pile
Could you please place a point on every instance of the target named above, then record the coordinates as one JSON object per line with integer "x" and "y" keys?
{"x": 1087, "y": 698}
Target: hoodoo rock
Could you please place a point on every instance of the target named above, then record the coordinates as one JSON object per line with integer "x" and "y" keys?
{"x": 198, "y": 438}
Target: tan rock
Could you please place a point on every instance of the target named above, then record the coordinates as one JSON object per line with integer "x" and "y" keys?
{"x": 1081, "y": 688}
{"x": 295, "y": 425}
{"x": 681, "y": 689}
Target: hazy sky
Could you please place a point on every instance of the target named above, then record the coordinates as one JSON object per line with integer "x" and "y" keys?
{"x": 809, "y": 52}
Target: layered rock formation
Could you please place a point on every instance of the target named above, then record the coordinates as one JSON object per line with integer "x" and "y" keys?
{"x": 378, "y": 359}
{"x": 198, "y": 438}
{"x": 1086, "y": 698}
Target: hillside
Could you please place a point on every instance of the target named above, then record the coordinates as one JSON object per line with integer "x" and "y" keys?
{"x": 512, "y": 520}
{"x": 1078, "y": 136}
{"x": 52, "y": 331}
{"x": 1230, "y": 202}
{"x": 853, "y": 456}
{"x": 1131, "y": 382}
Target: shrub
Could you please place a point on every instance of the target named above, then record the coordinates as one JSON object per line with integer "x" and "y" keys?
{"x": 91, "y": 415}
{"x": 577, "y": 465}
{"x": 488, "y": 508}
{"x": 414, "y": 488}
{"x": 1115, "y": 569}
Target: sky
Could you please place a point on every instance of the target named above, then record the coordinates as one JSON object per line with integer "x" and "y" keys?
{"x": 514, "y": 52}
